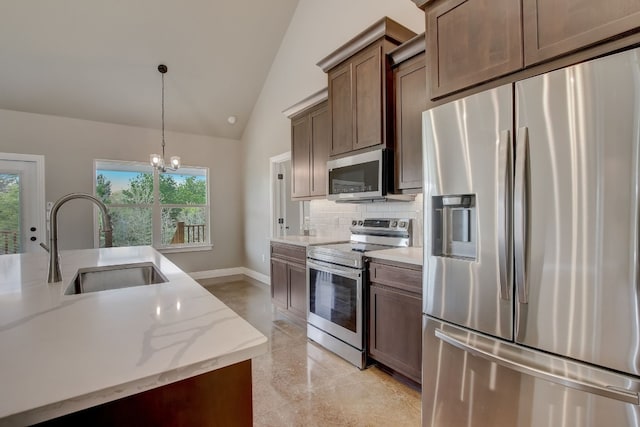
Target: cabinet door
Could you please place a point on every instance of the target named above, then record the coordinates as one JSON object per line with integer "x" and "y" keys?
{"x": 298, "y": 290}
{"x": 553, "y": 27}
{"x": 395, "y": 334}
{"x": 472, "y": 41}
{"x": 300, "y": 165}
{"x": 411, "y": 96}
{"x": 367, "y": 94}
{"x": 340, "y": 110}
{"x": 320, "y": 136}
{"x": 279, "y": 279}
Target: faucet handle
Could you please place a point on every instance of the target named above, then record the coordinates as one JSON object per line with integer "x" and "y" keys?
{"x": 45, "y": 247}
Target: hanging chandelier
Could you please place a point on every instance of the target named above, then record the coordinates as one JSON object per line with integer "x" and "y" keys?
{"x": 157, "y": 160}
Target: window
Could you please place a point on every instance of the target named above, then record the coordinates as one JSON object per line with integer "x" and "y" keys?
{"x": 166, "y": 209}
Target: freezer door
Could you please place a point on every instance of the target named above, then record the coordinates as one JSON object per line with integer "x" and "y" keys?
{"x": 576, "y": 212}
{"x": 467, "y": 182}
{"x": 476, "y": 381}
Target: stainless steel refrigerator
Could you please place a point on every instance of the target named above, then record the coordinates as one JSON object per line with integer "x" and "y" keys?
{"x": 531, "y": 268}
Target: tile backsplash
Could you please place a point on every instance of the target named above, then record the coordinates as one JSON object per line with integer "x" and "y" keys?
{"x": 333, "y": 219}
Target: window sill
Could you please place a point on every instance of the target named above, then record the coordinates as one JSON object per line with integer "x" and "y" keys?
{"x": 190, "y": 248}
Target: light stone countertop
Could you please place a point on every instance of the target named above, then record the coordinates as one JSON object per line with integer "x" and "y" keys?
{"x": 308, "y": 240}
{"x": 410, "y": 255}
{"x": 63, "y": 353}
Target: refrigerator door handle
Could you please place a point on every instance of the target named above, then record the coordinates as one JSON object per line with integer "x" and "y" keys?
{"x": 520, "y": 213}
{"x": 509, "y": 360}
{"x": 505, "y": 172}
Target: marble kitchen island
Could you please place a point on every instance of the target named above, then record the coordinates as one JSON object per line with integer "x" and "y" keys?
{"x": 141, "y": 354}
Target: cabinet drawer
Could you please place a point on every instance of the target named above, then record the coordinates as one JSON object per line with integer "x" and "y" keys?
{"x": 290, "y": 252}
{"x": 400, "y": 277}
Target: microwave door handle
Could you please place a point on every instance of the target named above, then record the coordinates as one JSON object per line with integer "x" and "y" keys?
{"x": 505, "y": 172}
{"x": 520, "y": 213}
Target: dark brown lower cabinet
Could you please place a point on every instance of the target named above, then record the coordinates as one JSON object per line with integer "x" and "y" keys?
{"x": 298, "y": 289}
{"x": 289, "y": 279}
{"x": 395, "y": 317}
{"x": 217, "y": 398}
{"x": 279, "y": 282}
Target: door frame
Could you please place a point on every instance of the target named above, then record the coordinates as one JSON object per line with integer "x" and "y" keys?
{"x": 273, "y": 162}
{"x": 42, "y": 212}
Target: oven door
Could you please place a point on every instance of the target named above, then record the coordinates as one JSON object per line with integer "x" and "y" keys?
{"x": 335, "y": 301}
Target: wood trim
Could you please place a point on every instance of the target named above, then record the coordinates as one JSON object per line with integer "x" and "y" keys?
{"x": 307, "y": 103}
{"x": 422, "y": 3}
{"x": 383, "y": 28}
{"x": 408, "y": 49}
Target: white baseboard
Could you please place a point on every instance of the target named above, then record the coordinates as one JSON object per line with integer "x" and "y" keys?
{"x": 257, "y": 276}
{"x": 224, "y": 272}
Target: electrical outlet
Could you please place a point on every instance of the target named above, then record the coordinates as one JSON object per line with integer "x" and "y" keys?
{"x": 264, "y": 258}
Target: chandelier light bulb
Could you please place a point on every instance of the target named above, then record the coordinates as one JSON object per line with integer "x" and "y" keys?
{"x": 175, "y": 162}
{"x": 155, "y": 160}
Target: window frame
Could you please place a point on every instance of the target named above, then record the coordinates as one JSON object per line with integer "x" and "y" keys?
{"x": 156, "y": 206}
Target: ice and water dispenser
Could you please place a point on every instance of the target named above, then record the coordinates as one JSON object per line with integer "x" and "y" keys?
{"x": 455, "y": 226}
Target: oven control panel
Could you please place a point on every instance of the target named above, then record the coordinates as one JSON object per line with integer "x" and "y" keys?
{"x": 398, "y": 225}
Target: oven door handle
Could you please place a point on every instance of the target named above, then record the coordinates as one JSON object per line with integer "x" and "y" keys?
{"x": 351, "y": 273}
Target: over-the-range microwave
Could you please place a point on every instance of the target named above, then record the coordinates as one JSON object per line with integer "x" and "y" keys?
{"x": 363, "y": 177}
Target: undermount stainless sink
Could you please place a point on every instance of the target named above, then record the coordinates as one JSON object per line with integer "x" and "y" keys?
{"x": 94, "y": 279}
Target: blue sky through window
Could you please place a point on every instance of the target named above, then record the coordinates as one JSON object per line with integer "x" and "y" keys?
{"x": 120, "y": 179}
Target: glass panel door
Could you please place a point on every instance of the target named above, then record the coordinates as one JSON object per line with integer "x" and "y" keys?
{"x": 22, "y": 223}
{"x": 10, "y": 221}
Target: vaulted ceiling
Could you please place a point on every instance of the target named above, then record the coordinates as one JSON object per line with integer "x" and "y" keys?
{"x": 97, "y": 59}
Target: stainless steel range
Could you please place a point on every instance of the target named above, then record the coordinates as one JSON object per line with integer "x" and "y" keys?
{"x": 336, "y": 275}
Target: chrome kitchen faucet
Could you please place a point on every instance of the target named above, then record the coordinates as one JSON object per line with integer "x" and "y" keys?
{"x": 54, "y": 257}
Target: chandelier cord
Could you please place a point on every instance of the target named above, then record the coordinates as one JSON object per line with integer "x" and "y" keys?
{"x": 162, "y": 115}
{"x": 156, "y": 160}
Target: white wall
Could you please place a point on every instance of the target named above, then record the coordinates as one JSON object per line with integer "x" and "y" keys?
{"x": 316, "y": 29}
{"x": 71, "y": 145}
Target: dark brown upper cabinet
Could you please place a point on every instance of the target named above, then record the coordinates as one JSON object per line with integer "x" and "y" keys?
{"x": 361, "y": 89}
{"x": 553, "y": 28}
{"x": 309, "y": 146}
{"x": 410, "y": 85}
{"x": 471, "y": 42}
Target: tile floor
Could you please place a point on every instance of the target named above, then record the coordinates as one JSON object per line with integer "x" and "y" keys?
{"x": 298, "y": 383}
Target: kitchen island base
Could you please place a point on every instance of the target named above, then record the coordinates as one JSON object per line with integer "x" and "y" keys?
{"x": 217, "y": 398}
